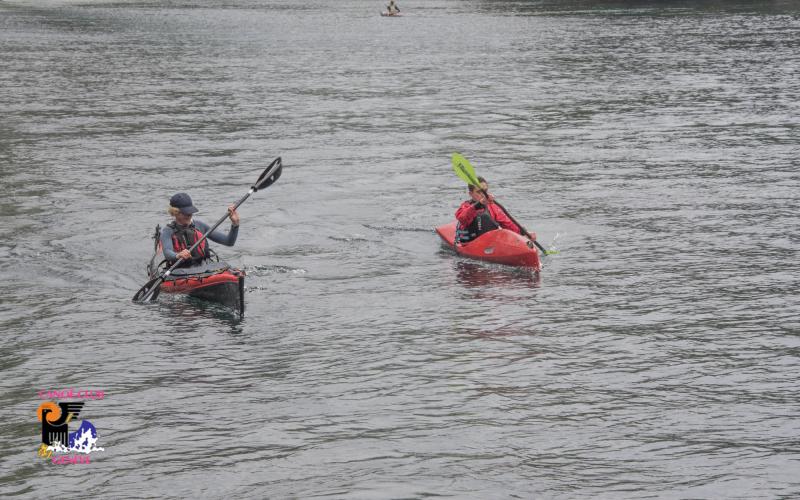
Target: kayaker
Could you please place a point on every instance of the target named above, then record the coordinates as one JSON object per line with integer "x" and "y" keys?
{"x": 392, "y": 8}
{"x": 479, "y": 215}
{"x": 180, "y": 234}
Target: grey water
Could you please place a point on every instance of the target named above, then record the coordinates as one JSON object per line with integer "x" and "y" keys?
{"x": 654, "y": 144}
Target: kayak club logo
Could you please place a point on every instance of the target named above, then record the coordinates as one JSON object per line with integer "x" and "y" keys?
{"x": 59, "y": 445}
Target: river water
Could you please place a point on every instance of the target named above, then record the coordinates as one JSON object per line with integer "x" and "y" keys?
{"x": 654, "y": 144}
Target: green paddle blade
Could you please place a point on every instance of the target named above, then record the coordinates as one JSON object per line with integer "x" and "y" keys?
{"x": 464, "y": 170}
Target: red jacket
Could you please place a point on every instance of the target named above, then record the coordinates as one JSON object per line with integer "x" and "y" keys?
{"x": 466, "y": 212}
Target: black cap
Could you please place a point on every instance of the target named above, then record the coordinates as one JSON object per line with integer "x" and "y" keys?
{"x": 183, "y": 202}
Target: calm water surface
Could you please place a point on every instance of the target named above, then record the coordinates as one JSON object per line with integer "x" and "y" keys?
{"x": 654, "y": 144}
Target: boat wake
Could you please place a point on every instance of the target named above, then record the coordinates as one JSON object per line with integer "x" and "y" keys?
{"x": 266, "y": 270}
{"x": 349, "y": 239}
{"x": 399, "y": 228}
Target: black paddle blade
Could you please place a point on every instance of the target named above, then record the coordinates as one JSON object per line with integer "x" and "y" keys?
{"x": 270, "y": 175}
{"x": 149, "y": 292}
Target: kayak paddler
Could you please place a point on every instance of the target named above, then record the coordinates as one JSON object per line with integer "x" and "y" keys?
{"x": 180, "y": 234}
{"x": 480, "y": 215}
{"x": 392, "y": 8}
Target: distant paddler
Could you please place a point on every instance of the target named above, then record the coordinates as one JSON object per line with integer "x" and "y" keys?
{"x": 392, "y": 9}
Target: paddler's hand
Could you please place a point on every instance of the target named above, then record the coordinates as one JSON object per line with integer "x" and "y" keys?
{"x": 184, "y": 254}
{"x": 478, "y": 197}
{"x": 234, "y": 215}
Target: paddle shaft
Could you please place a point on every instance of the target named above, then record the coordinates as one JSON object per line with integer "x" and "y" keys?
{"x": 196, "y": 244}
{"x": 520, "y": 226}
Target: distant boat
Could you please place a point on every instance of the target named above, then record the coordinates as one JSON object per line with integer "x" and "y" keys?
{"x": 391, "y": 14}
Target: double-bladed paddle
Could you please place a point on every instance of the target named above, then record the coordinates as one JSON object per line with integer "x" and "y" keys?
{"x": 464, "y": 170}
{"x": 149, "y": 292}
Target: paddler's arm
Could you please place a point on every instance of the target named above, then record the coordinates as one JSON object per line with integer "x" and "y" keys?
{"x": 466, "y": 213}
{"x": 217, "y": 236}
{"x": 166, "y": 244}
{"x": 469, "y": 209}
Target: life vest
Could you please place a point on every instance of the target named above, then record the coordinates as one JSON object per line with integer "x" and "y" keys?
{"x": 183, "y": 237}
{"x": 482, "y": 223}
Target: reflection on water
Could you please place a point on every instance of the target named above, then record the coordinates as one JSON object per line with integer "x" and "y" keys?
{"x": 192, "y": 312}
{"x": 482, "y": 275}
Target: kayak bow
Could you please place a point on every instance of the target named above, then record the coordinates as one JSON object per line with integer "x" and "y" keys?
{"x": 212, "y": 281}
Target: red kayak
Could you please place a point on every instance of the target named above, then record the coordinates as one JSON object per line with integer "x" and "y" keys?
{"x": 212, "y": 281}
{"x": 209, "y": 280}
{"x": 500, "y": 246}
